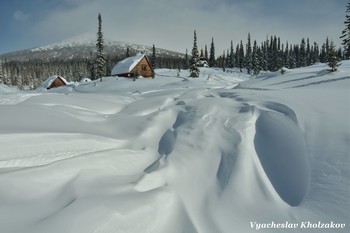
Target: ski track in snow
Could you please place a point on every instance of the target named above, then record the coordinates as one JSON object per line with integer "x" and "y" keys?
{"x": 181, "y": 155}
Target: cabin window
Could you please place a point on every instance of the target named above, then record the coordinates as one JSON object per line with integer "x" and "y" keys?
{"x": 144, "y": 67}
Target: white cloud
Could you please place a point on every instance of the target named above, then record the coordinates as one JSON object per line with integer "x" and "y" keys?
{"x": 170, "y": 24}
{"x": 19, "y": 16}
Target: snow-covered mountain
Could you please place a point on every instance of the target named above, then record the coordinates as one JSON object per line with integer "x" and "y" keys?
{"x": 83, "y": 46}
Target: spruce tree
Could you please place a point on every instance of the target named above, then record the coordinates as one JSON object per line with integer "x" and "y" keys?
{"x": 186, "y": 63}
{"x": 201, "y": 54}
{"x": 279, "y": 53}
{"x": 346, "y": 33}
{"x": 212, "y": 54}
{"x": 274, "y": 55}
{"x": 302, "y": 54}
{"x": 315, "y": 53}
{"x": 264, "y": 56}
{"x": 241, "y": 56}
{"x": 333, "y": 59}
{"x": 286, "y": 56}
{"x": 92, "y": 73}
{"x": 248, "y": 56}
{"x": 153, "y": 58}
{"x": 100, "y": 58}
{"x": 327, "y": 47}
{"x": 227, "y": 58}
{"x": 323, "y": 53}
{"x": 222, "y": 61}
{"x": 194, "y": 70}
{"x": 108, "y": 66}
{"x": 256, "y": 62}
{"x": 206, "y": 52}
{"x": 237, "y": 56}
{"x": 1, "y": 73}
{"x": 308, "y": 53}
{"x": 127, "y": 53}
{"x": 231, "y": 63}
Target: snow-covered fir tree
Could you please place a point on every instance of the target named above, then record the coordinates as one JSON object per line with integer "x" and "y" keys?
{"x": 227, "y": 58}
{"x": 153, "y": 58}
{"x": 264, "y": 56}
{"x": 186, "y": 62}
{"x": 256, "y": 60}
{"x": 240, "y": 57}
{"x": 280, "y": 48}
{"x": 100, "y": 58}
{"x": 222, "y": 61}
{"x": 127, "y": 53}
{"x": 323, "y": 53}
{"x": 333, "y": 59}
{"x": 194, "y": 70}
{"x": 1, "y": 73}
{"x": 285, "y": 55}
{"x": 248, "y": 56}
{"x": 308, "y": 53}
{"x": 231, "y": 62}
{"x": 212, "y": 53}
{"x": 302, "y": 54}
{"x": 206, "y": 52}
{"x": 273, "y": 54}
{"x": 327, "y": 48}
{"x": 315, "y": 53}
{"x": 108, "y": 67}
{"x": 346, "y": 33}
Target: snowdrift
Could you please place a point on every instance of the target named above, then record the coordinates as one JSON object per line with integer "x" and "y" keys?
{"x": 221, "y": 153}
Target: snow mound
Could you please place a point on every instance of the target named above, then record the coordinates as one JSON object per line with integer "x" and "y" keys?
{"x": 4, "y": 89}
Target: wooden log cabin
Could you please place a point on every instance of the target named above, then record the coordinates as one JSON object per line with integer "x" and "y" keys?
{"x": 54, "y": 81}
{"x": 138, "y": 65}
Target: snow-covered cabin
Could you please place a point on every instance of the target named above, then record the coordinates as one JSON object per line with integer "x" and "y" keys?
{"x": 134, "y": 66}
{"x": 202, "y": 62}
{"x": 53, "y": 81}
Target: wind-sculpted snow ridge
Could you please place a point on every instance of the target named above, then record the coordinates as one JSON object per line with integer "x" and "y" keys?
{"x": 174, "y": 154}
{"x": 281, "y": 148}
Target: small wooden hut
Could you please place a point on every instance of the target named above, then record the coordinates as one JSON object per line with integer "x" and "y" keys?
{"x": 138, "y": 65}
{"x": 54, "y": 81}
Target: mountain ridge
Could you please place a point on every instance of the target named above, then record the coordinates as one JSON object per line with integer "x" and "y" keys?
{"x": 81, "y": 47}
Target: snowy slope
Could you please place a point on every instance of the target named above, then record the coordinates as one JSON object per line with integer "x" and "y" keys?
{"x": 220, "y": 153}
{"x": 81, "y": 46}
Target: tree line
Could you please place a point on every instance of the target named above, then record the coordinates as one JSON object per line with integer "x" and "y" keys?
{"x": 31, "y": 73}
{"x": 269, "y": 55}
{"x": 272, "y": 55}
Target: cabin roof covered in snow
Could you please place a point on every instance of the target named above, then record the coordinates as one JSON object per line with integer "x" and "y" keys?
{"x": 47, "y": 83}
{"x": 126, "y": 65}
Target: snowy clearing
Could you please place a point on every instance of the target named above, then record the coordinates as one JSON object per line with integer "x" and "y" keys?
{"x": 219, "y": 153}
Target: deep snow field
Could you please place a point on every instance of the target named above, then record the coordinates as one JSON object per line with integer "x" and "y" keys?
{"x": 221, "y": 153}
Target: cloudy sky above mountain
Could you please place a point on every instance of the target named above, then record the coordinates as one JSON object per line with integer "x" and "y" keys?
{"x": 169, "y": 24}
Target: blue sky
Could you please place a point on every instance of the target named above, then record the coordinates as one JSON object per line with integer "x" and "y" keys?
{"x": 169, "y": 24}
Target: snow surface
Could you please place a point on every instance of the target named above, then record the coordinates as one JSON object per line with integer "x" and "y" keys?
{"x": 172, "y": 154}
